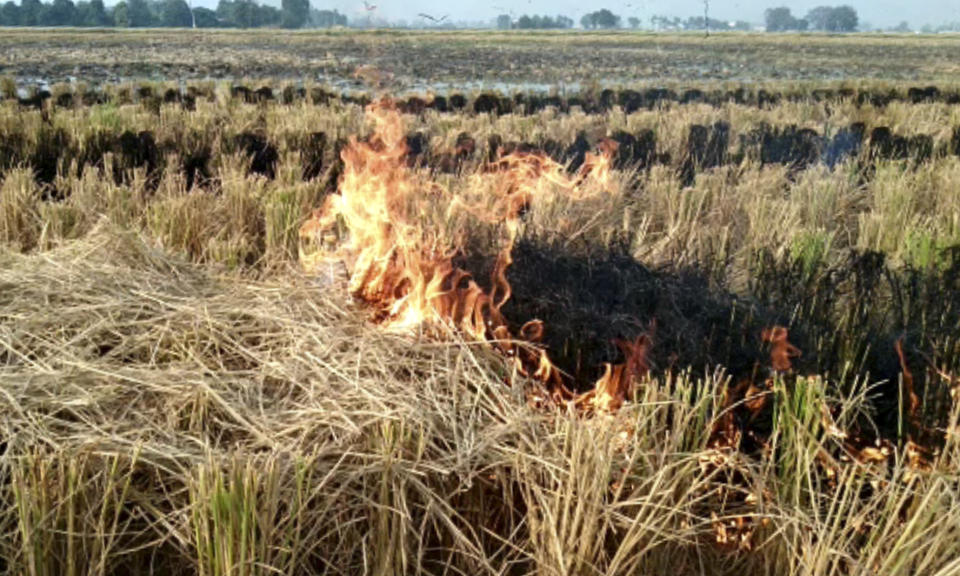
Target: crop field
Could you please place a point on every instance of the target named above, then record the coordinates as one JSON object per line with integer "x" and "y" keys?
{"x": 381, "y": 303}
{"x": 408, "y": 60}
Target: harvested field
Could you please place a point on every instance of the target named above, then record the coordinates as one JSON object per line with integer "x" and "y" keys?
{"x": 424, "y": 60}
{"x": 268, "y": 326}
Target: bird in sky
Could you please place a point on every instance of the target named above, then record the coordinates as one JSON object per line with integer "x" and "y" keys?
{"x": 369, "y": 7}
{"x": 432, "y": 18}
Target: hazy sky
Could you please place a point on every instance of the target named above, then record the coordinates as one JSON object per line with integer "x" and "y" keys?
{"x": 875, "y": 12}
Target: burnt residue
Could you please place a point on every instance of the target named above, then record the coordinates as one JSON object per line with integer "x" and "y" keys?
{"x": 35, "y": 100}
{"x": 706, "y": 148}
{"x": 412, "y": 105}
{"x": 790, "y": 145}
{"x": 923, "y": 95}
{"x": 418, "y": 150}
{"x": 46, "y": 159}
{"x": 589, "y": 298}
{"x": 453, "y": 161}
{"x": 312, "y": 155}
{"x": 846, "y": 143}
{"x": 576, "y": 153}
{"x": 262, "y": 155}
{"x": 489, "y": 103}
{"x": 590, "y": 102}
{"x": 458, "y": 102}
{"x": 136, "y": 151}
{"x": 196, "y": 166}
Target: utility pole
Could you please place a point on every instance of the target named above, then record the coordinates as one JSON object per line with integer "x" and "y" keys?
{"x": 706, "y": 16}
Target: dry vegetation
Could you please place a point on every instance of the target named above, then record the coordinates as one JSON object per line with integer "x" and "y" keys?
{"x": 178, "y": 396}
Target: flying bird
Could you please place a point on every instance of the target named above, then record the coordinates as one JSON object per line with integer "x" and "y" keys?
{"x": 369, "y": 7}
{"x": 433, "y": 19}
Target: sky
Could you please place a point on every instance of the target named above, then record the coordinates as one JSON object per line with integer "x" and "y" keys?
{"x": 878, "y": 13}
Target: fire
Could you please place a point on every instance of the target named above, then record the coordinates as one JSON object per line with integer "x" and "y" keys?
{"x": 399, "y": 234}
{"x": 387, "y": 224}
{"x": 907, "y": 381}
{"x": 782, "y": 350}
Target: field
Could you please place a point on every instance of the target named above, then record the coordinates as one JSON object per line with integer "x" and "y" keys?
{"x": 631, "y": 304}
{"x": 432, "y": 60}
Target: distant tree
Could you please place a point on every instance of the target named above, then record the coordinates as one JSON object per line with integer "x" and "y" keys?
{"x": 778, "y": 19}
{"x": 634, "y": 22}
{"x": 80, "y": 19}
{"x": 845, "y": 19}
{"x": 607, "y": 19}
{"x": 782, "y": 20}
{"x": 245, "y": 13}
{"x": 264, "y": 15}
{"x": 537, "y": 22}
{"x": 176, "y": 14}
{"x": 10, "y": 14}
{"x": 903, "y": 26}
{"x": 600, "y": 19}
{"x": 830, "y": 19}
{"x": 93, "y": 13}
{"x": 60, "y": 13}
{"x": 121, "y": 15}
{"x": 328, "y": 18}
{"x": 666, "y": 23}
{"x": 820, "y": 17}
{"x": 504, "y": 22}
{"x": 139, "y": 14}
{"x": 31, "y": 13}
{"x": 238, "y": 14}
{"x": 225, "y": 13}
{"x": 206, "y": 18}
{"x": 698, "y": 23}
{"x": 296, "y": 13}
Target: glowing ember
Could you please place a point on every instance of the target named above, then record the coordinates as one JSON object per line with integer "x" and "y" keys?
{"x": 908, "y": 382}
{"x": 782, "y": 350}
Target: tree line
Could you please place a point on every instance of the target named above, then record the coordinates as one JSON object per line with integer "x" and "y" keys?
{"x": 605, "y": 19}
{"x": 299, "y": 14}
{"x": 167, "y": 13}
{"x": 534, "y": 22}
{"x": 821, "y": 18}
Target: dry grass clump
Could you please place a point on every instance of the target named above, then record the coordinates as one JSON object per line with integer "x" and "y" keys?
{"x": 158, "y": 416}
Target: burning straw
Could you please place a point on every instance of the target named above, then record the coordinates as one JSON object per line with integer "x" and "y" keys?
{"x": 403, "y": 265}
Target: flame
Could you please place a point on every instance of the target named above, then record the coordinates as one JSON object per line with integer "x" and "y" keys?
{"x": 908, "y": 382}
{"x": 618, "y": 380}
{"x": 782, "y": 350}
{"x": 382, "y": 224}
{"x": 386, "y": 226}
{"x": 372, "y": 75}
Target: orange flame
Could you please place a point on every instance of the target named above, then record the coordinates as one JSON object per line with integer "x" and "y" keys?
{"x": 782, "y": 350}
{"x": 908, "y": 380}
{"x": 402, "y": 264}
{"x": 613, "y": 387}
